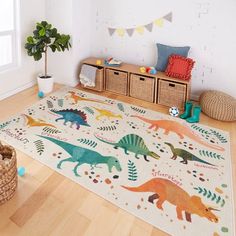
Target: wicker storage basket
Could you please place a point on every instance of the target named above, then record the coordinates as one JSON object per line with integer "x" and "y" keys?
{"x": 218, "y": 105}
{"x": 142, "y": 87}
{"x": 99, "y": 82}
{"x": 8, "y": 173}
{"x": 171, "y": 94}
{"x": 116, "y": 81}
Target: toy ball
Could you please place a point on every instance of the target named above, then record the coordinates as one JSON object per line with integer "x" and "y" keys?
{"x": 174, "y": 111}
{"x": 142, "y": 69}
{"x": 40, "y": 94}
{"x": 153, "y": 71}
{"x": 99, "y": 62}
{"x": 21, "y": 171}
{"x": 148, "y": 69}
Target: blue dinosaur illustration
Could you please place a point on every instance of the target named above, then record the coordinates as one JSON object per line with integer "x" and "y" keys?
{"x": 76, "y": 117}
{"x": 84, "y": 156}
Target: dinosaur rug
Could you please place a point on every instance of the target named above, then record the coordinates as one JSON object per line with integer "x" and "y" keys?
{"x": 173, "y": 175}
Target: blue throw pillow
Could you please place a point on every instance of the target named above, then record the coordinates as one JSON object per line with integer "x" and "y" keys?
{"x": 165, "y": 51}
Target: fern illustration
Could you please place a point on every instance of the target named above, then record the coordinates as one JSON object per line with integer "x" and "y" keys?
{"x": 51, "y": 130}
{"x": 132, "y": 171}
{"x": 210, "y": 154}
{"x": 88, "y": 142}
{"x": 139, "y": 110}
{"x": 219, "y": 136}
{"x": 121, "y": 107}
{"x": 200, "y": 129}
{"x": 211, "y": 195}
{"x": 5, "y": 124}
{"x": 107, "y": 128}
{"x": 39, "y": 147}
{"x": 89, "y": 110}
{"x": 60, "y": 102}
{"x": 50, "y": 104}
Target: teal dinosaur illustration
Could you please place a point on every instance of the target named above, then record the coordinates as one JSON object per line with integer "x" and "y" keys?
{"x": 76, "y": 117}
{"x": 84, "y": 156}
{"x": 132, "y": 143}
{"x": 187, "y": 156}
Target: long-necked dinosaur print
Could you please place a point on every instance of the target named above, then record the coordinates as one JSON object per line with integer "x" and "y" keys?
{"x": 185, "y": 155}
{"x": 84, "y": 156}
{"x": 106, "y": 113}
{"x": 31, "y": 122}
{"x": 132, "y": 143}
{"x": 165, "y": 190}
{"x": 76, "y": 98}
{"x": 179, "y": 129}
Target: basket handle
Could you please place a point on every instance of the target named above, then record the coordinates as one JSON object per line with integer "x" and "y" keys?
{"x": 116, "y": 73}
{"x": 171, "y": 85}
{"x": 142, "y": 79}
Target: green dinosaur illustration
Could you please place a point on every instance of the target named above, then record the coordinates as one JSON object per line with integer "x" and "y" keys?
{"x": 133, "y": 143}
{"x": 84, "y": 156}
{"x": 187, "y": 156}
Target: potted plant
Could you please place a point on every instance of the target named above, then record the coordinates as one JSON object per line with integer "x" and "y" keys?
{"x": 46, "y": 37}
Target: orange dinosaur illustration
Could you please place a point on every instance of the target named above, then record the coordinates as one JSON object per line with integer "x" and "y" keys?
{"x": 165, "y": 190}
{"x": 31, "y": 122}
{"x": 179, "y": 129}
{"x": 77, "y": 98}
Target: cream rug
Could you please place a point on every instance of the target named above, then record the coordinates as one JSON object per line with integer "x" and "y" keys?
{"x": 171, "y": 174}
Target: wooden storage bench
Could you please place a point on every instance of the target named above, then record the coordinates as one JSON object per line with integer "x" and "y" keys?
{"x": 127, "y": 79}
{"x": 142, "y": 87}
{"x": 117, "y": 81}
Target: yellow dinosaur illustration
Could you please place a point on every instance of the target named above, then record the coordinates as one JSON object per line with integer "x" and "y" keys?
{"x": 31, "y": 122}
{"x": 72, "y": 95}
{"x": 106, "y": 113}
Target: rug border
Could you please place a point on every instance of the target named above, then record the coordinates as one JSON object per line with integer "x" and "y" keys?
{"x": 30, "y": 155}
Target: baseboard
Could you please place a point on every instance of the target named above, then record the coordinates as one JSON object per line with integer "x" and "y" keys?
{"x": 194, "y": 98}
{"x": 15, "y": 91}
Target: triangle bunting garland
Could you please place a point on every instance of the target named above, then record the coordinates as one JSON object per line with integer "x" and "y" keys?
{"x": 168, "y": 17}
{"x": 141, "y": 28}
{"x": 149, "y": 27}
{"x": 111, "y": 31}
{"x": 130, "y": 32}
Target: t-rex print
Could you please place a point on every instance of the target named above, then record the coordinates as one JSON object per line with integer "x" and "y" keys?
{"x": 84, "y": 156}
{"x": 106, "y": 113}
{"x": 179, "y": 129}
{"x": 187, "y": 156}
{"x": 31, "y": 122}
{"x": 76, "y": 98}
{"x": 132, "y": 143}
{"x": 165, "y": 190}
{"x": 76, "y": 117}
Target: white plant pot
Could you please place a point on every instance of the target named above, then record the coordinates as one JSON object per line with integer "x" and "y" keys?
{"x": 45, "y": 84}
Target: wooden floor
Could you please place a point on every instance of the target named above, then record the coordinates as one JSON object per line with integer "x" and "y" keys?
{"x": 47, "y": 203}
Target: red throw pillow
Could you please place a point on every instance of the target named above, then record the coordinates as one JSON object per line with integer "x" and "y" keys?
{"x": 179, "y": 67}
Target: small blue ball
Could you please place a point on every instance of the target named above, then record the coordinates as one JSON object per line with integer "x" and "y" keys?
{"x": 40, "y": 94}
{"x": 21, "y": 171}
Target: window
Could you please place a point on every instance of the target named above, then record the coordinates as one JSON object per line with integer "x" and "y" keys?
{"x": 8, "y": 33}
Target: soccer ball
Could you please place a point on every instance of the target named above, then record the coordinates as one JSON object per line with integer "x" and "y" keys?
{"x": 174, "y": 111}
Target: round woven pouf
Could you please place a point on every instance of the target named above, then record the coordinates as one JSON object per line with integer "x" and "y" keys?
{"x": 218, "y": 105}
{"x": 8, "y": 173}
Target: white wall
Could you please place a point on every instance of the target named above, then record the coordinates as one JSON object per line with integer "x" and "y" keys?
{"x": 70, "y": 17}
{"x": 206, "y": 26}
{"x": 24, "y": 75}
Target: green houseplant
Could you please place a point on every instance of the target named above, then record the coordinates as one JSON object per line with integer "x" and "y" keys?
{"x": 46, "y": 38}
